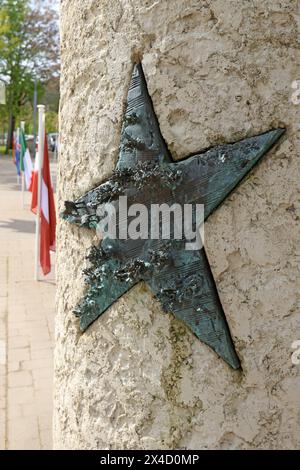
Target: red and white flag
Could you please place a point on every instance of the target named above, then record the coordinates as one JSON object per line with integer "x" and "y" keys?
{"x": 48, "y": 217}
{"x": 34, "y": 182}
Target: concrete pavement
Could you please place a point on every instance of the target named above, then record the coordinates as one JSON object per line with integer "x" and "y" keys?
{"x": 26, "y": 326}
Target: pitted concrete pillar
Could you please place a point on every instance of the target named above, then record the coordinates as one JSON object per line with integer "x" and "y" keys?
{"x": 217, "y": 71}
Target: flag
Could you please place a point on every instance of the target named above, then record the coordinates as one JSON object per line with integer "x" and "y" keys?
{"x": 34, "y": 181}
{"x": 17, "y": 152}
{"x": 14, "y": 147}
{"x": 22, "y": 149}
{"x": 25, "y": 161}
{"x": 48, "y": 217}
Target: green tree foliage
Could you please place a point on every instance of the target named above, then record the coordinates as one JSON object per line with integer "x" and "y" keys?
{"x": 51, "y": 121}
{"x": 29, "y": 46}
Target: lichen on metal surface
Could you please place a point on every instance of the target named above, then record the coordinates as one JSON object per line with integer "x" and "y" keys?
{"x": 146, "y": 173}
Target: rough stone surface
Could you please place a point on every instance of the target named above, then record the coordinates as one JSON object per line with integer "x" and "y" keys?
{"x": 217, "y": 71}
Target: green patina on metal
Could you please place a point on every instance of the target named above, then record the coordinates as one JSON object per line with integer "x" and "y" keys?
{"x": 182, "y": 280}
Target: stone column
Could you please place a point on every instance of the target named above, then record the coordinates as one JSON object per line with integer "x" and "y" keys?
{"x": 217, "y": 71}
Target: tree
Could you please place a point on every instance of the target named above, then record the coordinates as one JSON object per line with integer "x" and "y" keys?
{"x": 29, "y": 48}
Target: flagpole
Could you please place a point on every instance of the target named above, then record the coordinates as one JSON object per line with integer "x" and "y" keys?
{"x": 22, "y": 172}
{"x": 40, "y": 155}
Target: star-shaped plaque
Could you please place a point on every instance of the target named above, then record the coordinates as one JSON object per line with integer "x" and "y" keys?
{"x": 181, "y": 279}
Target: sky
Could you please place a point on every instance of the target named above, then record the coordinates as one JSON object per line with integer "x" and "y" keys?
{"x": 53, "y": 3}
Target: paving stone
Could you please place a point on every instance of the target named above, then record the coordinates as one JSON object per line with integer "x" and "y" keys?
{"x": 20, "y": 354}
{"x": 20, "y": 395}
{"x": 26, "y": 329}
{"x": 20, "y": 378}
{"x": 34, "y": 364}
{"x": 15, "y": 342}
{"x": 46, "y": 440}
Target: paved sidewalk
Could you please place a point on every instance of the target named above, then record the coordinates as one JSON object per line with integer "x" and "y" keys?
{"x": 26, "y": 326}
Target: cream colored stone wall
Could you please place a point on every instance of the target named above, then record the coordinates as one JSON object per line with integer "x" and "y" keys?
{"x": 217, "y": 71}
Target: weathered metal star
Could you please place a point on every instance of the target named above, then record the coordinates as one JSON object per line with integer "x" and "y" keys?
{"x": 146, "y": 173}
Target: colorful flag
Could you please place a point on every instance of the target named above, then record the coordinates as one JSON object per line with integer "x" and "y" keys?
{"x": 14, "y": 147}
{"x": 25, "y": 161}
{"x": 48, "y": 217}
{"x": 22, "y": 149}
{"x": 33, "y": 182}
{"x": 18, "y": 152}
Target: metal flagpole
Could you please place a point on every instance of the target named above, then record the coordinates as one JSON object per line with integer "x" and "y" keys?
{"x": 34, "y": 116}
{"x": 22, "y": 172}
{"x": 40, "y": 156}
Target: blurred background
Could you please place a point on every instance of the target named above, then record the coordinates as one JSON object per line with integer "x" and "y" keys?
{"x": 29, "y": 68}
{"x": 29, "y": 76}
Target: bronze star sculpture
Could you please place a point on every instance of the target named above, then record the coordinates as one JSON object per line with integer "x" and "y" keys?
{"x": 146, "y": 173}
